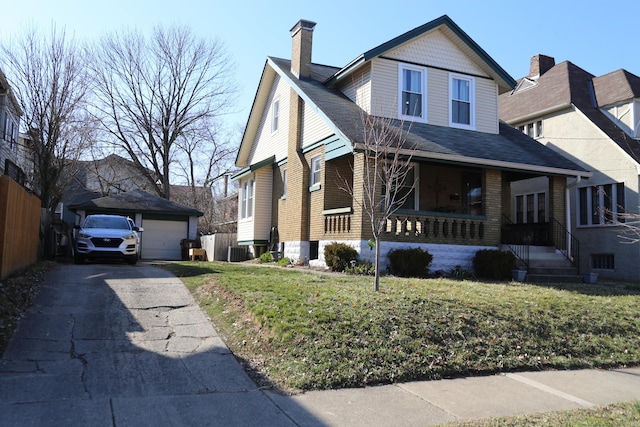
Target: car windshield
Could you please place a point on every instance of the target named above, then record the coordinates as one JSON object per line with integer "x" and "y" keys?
{"x": 107, "y": 222}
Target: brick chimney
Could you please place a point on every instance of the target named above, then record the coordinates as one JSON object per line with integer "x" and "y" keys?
{"x": 302, "y": 38}
{"x": 540, "y": 64}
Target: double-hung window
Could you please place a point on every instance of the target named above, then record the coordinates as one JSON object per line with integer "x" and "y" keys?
{"x": 316, "y": 168}
{"x": 246, "y": 203}
{"x": 462, "y": 95}
{"x": 412, "y": 95}
{"x": 601, "y": 204}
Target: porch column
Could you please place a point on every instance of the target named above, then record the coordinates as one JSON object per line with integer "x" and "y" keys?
{"x": 492, "y": 203}
{"x": 557, "y": 202}
{"x": 360, "y": 223}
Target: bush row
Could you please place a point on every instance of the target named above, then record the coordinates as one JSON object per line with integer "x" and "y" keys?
{"x": 415, "y": 262}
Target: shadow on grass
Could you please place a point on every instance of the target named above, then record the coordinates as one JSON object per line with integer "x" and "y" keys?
{"x": 188, "y": 269}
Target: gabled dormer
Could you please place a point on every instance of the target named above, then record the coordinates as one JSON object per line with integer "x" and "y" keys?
{"x": 434, "y": 74}
{"x": 618, "y": 96}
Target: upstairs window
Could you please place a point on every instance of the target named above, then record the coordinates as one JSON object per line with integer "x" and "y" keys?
{"x": 275, "y": 115}
{"x": 462, "y": 94}
{"x": 412, "y": 92}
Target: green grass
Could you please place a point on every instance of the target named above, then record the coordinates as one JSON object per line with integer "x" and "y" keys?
{"x": 304, "y": 330}
{"x": 614, "y": 415}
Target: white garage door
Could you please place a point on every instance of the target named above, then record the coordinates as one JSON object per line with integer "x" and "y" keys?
{"x": 161, "y": 239}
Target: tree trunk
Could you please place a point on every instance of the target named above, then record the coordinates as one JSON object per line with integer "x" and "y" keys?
{"x": 376, "y": 286}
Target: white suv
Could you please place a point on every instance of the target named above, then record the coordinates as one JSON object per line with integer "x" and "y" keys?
{"x": 107, "y": 236}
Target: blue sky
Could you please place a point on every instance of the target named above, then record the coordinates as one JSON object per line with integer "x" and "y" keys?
{"x": 597, "y": 36}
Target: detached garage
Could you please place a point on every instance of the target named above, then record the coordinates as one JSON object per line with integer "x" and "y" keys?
{"x": 165, "y": 223}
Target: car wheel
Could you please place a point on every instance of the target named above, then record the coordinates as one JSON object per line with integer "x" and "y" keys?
{"x": 131, "y": 260}
{"x": 78, "y": 259}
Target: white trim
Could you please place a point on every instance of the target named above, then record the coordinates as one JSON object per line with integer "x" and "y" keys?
{"x": 275, "y": 115}
{"x": 423, "y": 92}
{"x": 472, "y": 101}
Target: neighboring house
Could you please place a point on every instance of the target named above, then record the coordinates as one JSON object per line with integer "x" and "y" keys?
{"x": 595, "y": 122}
{"x": 13, "y": 157}
{"x": 166, "y": 224}
{"x": 304, "y": 134}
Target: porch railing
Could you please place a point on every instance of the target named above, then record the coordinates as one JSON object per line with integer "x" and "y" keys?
{"x": 564, "y": 241}
{"x": 517, "y": 239}
{"x": 413, "y": 227}
{"x": 435, "y": 226}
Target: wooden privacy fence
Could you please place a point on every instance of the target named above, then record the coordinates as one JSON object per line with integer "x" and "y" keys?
{"x": 19, "y": 227}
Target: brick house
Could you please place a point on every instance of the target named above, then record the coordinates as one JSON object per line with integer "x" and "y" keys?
{"x": 305, "y": 127}
{"x": 595, "y": 122}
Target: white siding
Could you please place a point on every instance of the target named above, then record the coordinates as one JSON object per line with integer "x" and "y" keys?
{"x": 434, "y": 49}
{"x": 438, "y": 97}
{"x": 384, "y": 88}
{"x": 486, "y": 106}
{"x": 358, "y": 88}
{"x": 267, "y": 143}
{"x": 257, "y": 226}
{"x": 314, "y": 128}
{"x": 262, "y": 203}
{"x": 245, "y": 225}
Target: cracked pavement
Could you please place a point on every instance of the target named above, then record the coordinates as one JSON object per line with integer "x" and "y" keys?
{"x": 115, "y": 345}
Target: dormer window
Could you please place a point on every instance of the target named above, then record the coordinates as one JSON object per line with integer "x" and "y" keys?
{"x": 462, "y": 104}
{"x": 412, "y": 85}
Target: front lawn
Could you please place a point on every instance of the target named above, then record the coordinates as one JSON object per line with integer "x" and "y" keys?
{"x": 304, "y": 330}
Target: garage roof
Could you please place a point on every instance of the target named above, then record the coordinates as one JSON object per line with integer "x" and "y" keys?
{"x": 136, "y": 201}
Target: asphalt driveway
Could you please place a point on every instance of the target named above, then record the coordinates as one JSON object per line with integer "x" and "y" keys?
{"x": 116, "y": 345}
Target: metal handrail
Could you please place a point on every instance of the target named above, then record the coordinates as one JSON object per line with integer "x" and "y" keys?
{"x": 568, "y": 245}
{"x": 516, "y": 241}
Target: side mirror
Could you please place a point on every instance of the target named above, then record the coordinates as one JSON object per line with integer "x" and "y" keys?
{"x": 77, "y": 227}
{"x": 139, "y": 229}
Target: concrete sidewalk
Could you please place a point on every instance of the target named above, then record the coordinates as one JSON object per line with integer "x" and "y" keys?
{"x": 115, "y": 345}
{"x": 437, "y": 402}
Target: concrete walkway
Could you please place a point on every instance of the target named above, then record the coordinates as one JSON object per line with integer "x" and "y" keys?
{"x": 115, "y": 345}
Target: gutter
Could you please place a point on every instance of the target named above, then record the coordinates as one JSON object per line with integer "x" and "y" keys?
{"x": 497, "y": 164}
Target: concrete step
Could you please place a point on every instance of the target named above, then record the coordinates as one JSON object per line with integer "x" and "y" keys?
{"x": 557, "y": 271}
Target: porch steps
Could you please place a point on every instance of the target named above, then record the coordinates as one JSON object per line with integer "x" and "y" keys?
{"x": 546, "y": 265}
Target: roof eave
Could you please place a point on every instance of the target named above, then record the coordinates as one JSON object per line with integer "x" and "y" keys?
{"x": 497, "y": 164}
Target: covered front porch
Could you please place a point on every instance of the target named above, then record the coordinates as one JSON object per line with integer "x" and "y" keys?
{"x": 465, "y": 205}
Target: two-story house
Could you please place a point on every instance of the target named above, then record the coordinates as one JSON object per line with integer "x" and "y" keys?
{"x": 595, "y": 122}
{"x": 13, "y": 158}
{"x": 303, "y": 132}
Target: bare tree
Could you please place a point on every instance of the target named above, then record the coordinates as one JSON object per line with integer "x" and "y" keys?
{"x": 49, "y": 77}
{"x": 156, "y": 92}
{"x": 386, "y": 180}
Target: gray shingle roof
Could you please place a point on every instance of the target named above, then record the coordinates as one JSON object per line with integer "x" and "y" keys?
{"x": 136, "y": 201}
{"x": 565, "y": 85}
{"x": 509, "y": 149}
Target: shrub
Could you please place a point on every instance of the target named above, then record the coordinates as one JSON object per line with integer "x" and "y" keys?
{"x": 494, "y": 264}
{"x": 411, "y": 262}
{"x": 363, "y": 268}
{"x": 266, "y": 257}
{"x": 460, "y": 273}
{"x": 339, "y": 255}
{"x": 283, "y": 262}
